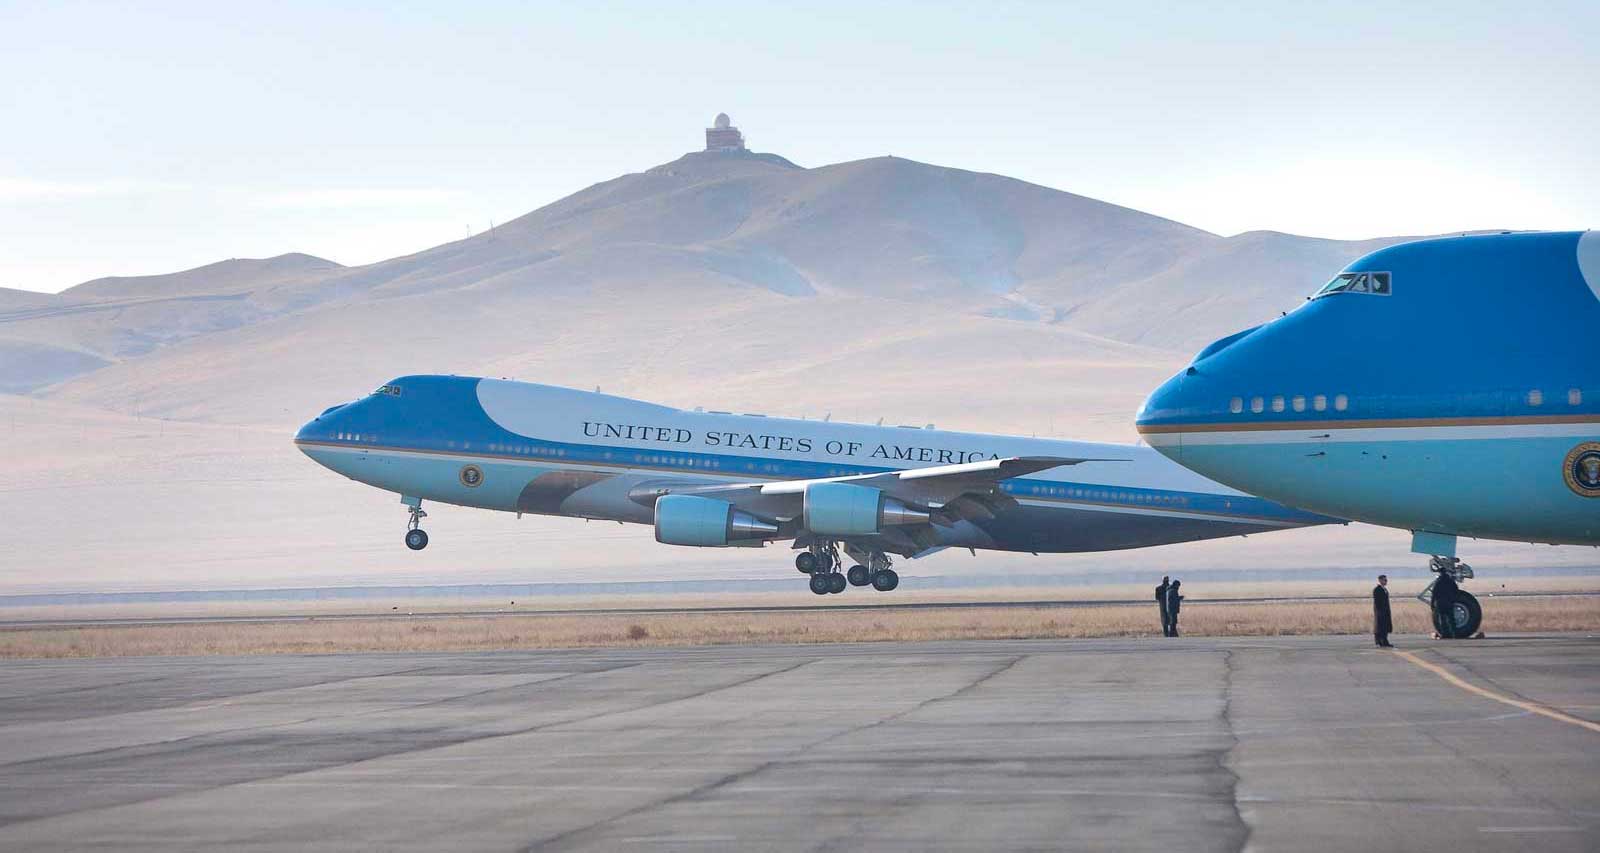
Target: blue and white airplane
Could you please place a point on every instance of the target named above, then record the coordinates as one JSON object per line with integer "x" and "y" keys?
{"x": 1449, "y": 387}
{"x": 715, "y": 479}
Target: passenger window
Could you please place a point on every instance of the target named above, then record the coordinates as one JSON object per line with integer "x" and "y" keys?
{"x": 1320, "y": 402}
{"x": 1236, "y": 405}
{"x": 1277, "y": 403}
{"x": 1257, "y": 405}
{"x": 1341, "y": 402}
{"x": 1574, "y": 397}
{"x": 1299, "y": 402}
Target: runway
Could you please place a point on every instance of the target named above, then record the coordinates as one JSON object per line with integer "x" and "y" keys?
{"x": 1307, "y": 743}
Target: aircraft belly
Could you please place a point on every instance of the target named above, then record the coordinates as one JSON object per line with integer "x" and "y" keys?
{"x": 1065, "y": 529}
{"x": 1501, "y": 488}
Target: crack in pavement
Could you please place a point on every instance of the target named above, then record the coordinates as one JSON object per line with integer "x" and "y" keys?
{"x": 782, "y": 758}
{"x": 1225, "y": 758}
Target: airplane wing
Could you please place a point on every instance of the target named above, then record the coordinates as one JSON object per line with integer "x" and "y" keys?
{"x": 969, "y": 491}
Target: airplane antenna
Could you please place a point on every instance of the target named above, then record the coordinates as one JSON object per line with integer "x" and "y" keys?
{"x": 879, "y": 423}
{"x": 828, "y": 417}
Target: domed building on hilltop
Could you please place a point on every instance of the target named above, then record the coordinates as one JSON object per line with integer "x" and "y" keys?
{"x": 723, "y": 136}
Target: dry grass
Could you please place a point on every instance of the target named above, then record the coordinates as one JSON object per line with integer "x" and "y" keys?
{"x": 510, "y": 631}
{"x": 1402, "y": 588}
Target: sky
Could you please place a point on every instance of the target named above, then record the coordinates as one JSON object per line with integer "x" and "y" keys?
{"x": 152, "y": 137}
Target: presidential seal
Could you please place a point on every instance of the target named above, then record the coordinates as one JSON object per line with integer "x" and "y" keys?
{"x": 471, "y": 476}
{"x": 1582, "y": 469}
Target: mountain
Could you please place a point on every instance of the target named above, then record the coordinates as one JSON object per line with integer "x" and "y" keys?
{"x": 45, "y": 339}
{"x": 154, "y": 431}
{"x": 224, "y": 277}
{"x": 698, "y": 234}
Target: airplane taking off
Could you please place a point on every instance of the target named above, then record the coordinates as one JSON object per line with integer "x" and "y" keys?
{"x": 1450, "y": 387}
{"x": 715, "y": 479}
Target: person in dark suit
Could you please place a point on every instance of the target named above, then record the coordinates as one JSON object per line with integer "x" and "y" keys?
{"x": 1444, "y": 605}
{"x": 1174, "y": 601}
{"x": 1161, "y": 599}
{"x": 1382, "y": 624}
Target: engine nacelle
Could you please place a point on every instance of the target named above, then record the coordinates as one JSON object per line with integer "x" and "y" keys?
{"x": 846, "y": 509}
{"x": 706, "y": 522}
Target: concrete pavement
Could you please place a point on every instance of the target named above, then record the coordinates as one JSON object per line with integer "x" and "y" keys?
{"x": 1191, "y": 744}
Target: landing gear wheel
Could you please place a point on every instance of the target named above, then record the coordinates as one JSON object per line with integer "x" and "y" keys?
{"x": 416, "y": 539}
{"x": 884, "y": 580}
{"x": 820, "y": 584}
{"x": 835, "y": 583}
{"x": 806, "y": 562}
{"x": 1468, "y": 615}
{"x": 859, "y": 576}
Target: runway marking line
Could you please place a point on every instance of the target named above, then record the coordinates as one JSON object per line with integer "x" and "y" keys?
{"x": 1530, "y": 707}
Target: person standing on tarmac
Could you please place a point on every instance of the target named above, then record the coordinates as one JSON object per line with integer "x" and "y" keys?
{"x": 1382, "y": 624}
{"x": 1161, "y": 599}
{"x": 1444, "y": 606}
{"x": 1174, "y": 601}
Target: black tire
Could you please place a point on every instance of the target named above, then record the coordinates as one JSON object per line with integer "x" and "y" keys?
{"x": 858, "y": 576}
{"x": 1468, "y": 617}
{"x": 416, "y": 539}
{"x": 885, "y": 580}
{"x": 806, "y": 562}
{"x": 820, "y": 585}
{"x": 835, "y": 582}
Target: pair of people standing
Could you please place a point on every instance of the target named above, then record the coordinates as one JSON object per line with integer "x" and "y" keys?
{"x": 1170, "y": 600}
{"x": 1444, "y": 609}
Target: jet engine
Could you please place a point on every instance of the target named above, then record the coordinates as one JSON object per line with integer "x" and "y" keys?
{"x": 707, "y": 523}
{"x": 846, "y": 509}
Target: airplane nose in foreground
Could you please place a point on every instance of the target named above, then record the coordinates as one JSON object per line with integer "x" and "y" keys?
{"x": 1156, "y": 418}
{"x": 306, "y": 434}
{"x": 319, "y": 428}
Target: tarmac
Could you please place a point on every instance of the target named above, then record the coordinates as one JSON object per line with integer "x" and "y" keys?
{"x": 1304, "y": 743}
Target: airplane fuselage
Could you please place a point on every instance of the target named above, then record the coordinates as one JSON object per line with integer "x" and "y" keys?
{"x": 527, "y": 448}
{"x": 1450, "y": 387}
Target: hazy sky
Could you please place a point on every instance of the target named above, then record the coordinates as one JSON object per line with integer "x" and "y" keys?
{"x": 148, "y": 137}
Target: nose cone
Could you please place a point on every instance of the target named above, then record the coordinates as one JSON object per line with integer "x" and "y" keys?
{"x": 1157, "y": 420}
{"x": 318, "y": 433}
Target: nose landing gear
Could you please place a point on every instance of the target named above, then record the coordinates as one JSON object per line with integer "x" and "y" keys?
{"x": 416, "y": 537}
{"x": 1462, "y": 617}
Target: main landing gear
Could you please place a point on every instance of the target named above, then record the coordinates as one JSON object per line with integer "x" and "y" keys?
{"x": 821, "y": 562}
{"x": 416, "y": 537}
{"x": 1464, "y": 617}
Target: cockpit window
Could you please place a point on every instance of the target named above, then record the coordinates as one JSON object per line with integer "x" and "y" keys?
{"x": 1375, "y": 283}
{"x": 391, "y": 390}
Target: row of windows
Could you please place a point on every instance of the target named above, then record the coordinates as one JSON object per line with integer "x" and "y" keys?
{"x": 1574, "y": 397}
{"x": 1341, "y": 402}
{"x": 1100, "y": 495}
{"x": 1318, "y": 402}
{"x": 772, "y": 467}
{"x": 643, "y": 458}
